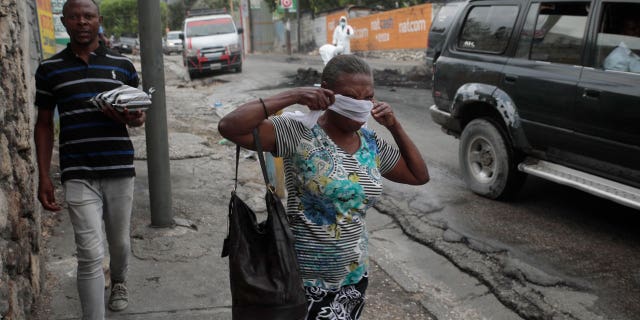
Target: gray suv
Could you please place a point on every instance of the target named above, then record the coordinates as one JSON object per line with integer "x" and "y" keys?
{"x": 548, "y": 88}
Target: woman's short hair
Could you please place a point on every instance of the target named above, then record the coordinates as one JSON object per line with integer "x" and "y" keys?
{"x": 344, "y": 63}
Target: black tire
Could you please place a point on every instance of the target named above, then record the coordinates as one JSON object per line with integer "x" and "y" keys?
{"x": 192, "y": 74}
{"x": 488, "y": 161}
{"x": 238, "y": 68}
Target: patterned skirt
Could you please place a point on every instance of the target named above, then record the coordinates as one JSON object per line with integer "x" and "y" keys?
{"x": 345, "y": 303}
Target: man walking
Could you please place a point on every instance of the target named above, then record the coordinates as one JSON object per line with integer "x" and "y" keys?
{"x": 96, "y": 154}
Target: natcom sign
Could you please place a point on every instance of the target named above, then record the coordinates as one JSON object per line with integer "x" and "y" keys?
{"x": 406, "y": 28}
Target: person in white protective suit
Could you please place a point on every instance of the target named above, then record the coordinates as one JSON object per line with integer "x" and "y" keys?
{"x": 340, "y": 45}
{"x": 329, "y": 51}
{"x": 341, "y": 36}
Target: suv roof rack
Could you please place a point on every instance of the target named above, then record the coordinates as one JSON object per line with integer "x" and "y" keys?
{"x": 205, "y": 12}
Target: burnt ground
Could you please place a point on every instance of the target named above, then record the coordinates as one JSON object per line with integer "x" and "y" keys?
{"x": 414, "y": 78}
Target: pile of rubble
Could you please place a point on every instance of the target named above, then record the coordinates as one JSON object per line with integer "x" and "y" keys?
{"x": 395, "y": 55}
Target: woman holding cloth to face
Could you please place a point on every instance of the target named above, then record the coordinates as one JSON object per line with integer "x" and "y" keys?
{"x": 334, "y": 168}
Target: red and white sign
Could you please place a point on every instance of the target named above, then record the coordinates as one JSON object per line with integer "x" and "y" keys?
{"x": 287, "y": 4}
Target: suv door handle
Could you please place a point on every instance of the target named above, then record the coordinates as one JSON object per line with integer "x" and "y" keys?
{"x": 591, "y": 94}
{"x": 510, "y": 79}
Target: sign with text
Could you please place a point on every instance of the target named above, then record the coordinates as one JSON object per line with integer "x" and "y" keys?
{"x": 289, "y": 5}
{"x": 47, "y": 28}
{"x": 286, "y": 4}
{"x": 406, "y": 28}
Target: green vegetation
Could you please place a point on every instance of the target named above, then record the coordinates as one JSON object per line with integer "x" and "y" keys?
{"x": 121, "y": 16}
{"x": 177, "y": 10}
{"x": 325, "y": 5}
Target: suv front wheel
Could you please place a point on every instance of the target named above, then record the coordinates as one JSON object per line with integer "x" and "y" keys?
{"x": 487, "y": 160}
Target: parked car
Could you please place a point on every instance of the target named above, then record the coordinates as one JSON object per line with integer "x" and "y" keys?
{"x": 172, "y": 42}
{"x": 127, "y": 44}
{"x": 535, "y": 87}
{"x": 212, "y": 42}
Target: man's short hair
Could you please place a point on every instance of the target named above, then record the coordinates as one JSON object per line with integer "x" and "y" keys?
{"x": 64, "y": 6}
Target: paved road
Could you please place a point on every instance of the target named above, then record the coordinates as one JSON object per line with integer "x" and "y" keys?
{"x": 409, "y": 280}
{"x": 420, "y": 276}
{"x": 553, "y": 250}
{"x": 549, "y": 238}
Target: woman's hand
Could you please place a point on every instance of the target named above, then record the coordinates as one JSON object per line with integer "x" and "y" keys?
{"x": 410, "y": 168}
{"x": 383, "y": 114}
{"x": 315, "y": 98}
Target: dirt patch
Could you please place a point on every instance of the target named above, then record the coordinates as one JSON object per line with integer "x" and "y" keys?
{"x": 49, "y": 222}
{"x": 414, "y": 78}
{"x": 386, "y": 300}
{"x": 199, "y": 83}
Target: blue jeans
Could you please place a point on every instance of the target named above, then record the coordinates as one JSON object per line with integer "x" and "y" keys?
{"x": 90, "y": 202}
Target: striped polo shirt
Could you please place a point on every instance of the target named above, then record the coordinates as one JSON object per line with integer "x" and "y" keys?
{"x": 328, "y": 194}
{"x": 92, "y": 145}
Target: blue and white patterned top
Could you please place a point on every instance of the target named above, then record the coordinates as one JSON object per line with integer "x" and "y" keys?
{"x": 328, "y": 193}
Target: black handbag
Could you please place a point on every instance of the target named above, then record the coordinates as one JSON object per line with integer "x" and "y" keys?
{"x": 263, "y": 268}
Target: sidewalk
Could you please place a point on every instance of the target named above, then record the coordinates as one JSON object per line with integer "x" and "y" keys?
{"x": 177, "y": 273}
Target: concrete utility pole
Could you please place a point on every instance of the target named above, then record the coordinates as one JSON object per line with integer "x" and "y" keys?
{"x": 150, "y": 28}
{"x": 287, "y": 27}
{"x": 298, "y": 26}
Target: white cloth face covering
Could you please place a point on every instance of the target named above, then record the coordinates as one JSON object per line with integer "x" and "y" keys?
{"x": 354, "y": 109}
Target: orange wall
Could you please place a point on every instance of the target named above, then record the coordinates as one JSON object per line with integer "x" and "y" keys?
{"x": 406, "y": 28}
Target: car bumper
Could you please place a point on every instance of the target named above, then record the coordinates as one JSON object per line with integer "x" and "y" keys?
{"x": 215, "y": 62}
{"x": 449, "y": 124}
{"x": 173, "y": 49}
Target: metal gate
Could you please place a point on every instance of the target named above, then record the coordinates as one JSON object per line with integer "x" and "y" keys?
{"x": 262, "y": 29}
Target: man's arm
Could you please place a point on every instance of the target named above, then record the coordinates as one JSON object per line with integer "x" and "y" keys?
{"x": 44, "y": 149}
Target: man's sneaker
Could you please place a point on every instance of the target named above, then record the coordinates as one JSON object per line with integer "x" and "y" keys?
{"x": 119, "y": 299}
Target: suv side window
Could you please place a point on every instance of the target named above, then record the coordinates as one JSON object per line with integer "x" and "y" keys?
{"x": 559, "y": 32}
{"x": 618, "y": 38}
{"x": 488, "y": 28}
{"x": 528, "y": 32}
{"x": 444, "y": 17}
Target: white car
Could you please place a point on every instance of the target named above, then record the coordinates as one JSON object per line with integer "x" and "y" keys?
{"x": 211, "y": 42}
{"x": 172, "y": 43}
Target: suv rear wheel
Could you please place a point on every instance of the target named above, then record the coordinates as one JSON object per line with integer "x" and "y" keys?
{"x": 487, "y": 160}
